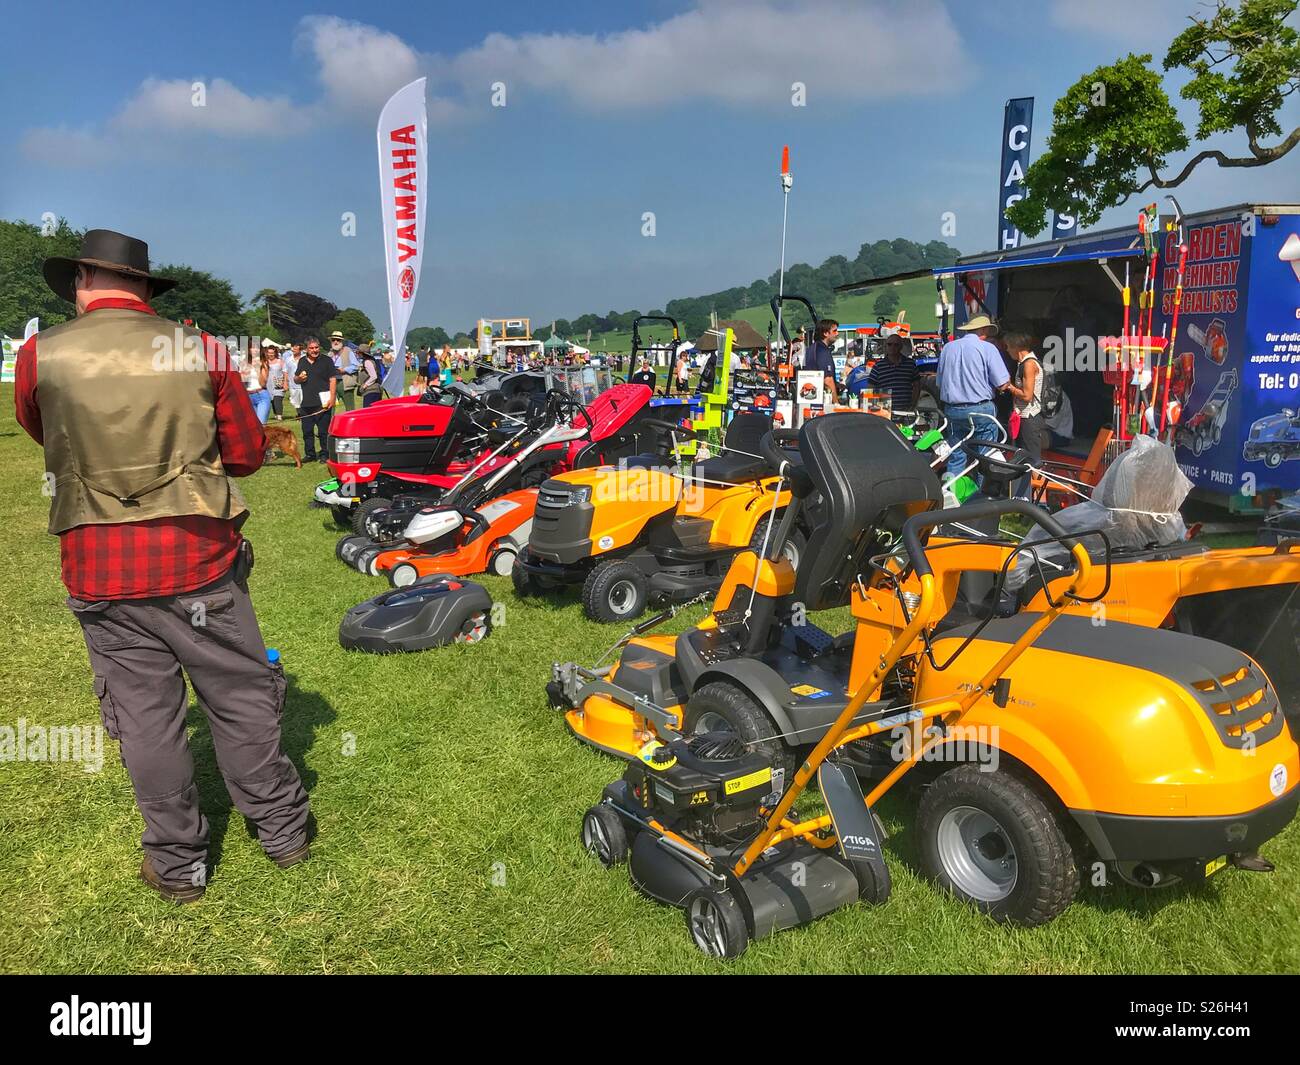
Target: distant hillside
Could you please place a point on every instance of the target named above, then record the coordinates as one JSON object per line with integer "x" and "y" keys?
{"x": 916, "y": 297}
{"x": 612, "y": 331}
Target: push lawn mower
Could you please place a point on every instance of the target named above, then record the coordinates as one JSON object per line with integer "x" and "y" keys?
{"x": 475, "y": 527}
{"x": 1027, "y": 769}
{"x": 423, "y": 447}
{"x": 399, "y": 444}
{"x": 639, "y": 532}
{"x": 458, "y": 519}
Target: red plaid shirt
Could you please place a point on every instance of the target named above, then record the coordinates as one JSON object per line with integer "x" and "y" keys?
{"x": 163, "y": 556}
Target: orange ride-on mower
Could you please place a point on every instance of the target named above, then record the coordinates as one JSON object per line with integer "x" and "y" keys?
{"x": 633, "y": 534}
{"x": 1245, "y": 597}
{"x": 1041, "y": 739}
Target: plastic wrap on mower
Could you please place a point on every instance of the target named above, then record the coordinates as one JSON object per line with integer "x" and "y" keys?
{"x": 419, "y": 617}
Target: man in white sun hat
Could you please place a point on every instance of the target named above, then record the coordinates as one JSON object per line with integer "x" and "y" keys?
{"x": 971, "y": 372}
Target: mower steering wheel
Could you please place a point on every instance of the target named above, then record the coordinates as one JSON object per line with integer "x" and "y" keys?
{"x": 1000, "y": 468}
{"x": 565, "y": 402}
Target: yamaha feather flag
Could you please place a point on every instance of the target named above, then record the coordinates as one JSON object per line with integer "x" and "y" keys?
{"x": 403, "y": 192}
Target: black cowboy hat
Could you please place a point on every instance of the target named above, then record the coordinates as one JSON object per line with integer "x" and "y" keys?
{"x": 109, "y": 250}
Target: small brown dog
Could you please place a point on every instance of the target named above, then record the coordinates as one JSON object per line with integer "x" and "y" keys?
{"x": 285, "y": 441}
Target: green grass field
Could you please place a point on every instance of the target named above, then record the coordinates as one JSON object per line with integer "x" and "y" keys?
{"x": 448, "y": 797}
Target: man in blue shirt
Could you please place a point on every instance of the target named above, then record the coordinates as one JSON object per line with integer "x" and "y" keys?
{"x": 896, "y": 374}
{"x": 970, "y": 373}
{"x": 822, "y": 356}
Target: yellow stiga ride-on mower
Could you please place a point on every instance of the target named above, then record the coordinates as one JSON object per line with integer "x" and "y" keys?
{"x": 1040, "y": 739}
{"x": 636, "y": 533}
{"x": 1245, "y": 597}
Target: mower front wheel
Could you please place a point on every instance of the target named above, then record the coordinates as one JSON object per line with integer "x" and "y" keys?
{"x": 526, "y": 586}
{"x": 362, "y": 561}
{"x": 403, "y": 575}
{"x": 615, "y": 591}
{"x": 341, "y": 515}
{"x": 991, "y": 840}
{"x": 346, "y": 549}
{"x": 716, "y": 923}
{"x": 502, "y": 562}
{"x": 603, "y": 836}
{"x": 364, "y": 509}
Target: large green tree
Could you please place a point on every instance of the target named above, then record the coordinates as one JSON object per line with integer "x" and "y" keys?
{"x": 887, "y": 302}
{"x": 211, "y": 303}
{"x": 23, "y": 291}
{"x": 432, "y": 336}
{"x": 353, "y": 324}
{"x": 1115, "y": 129}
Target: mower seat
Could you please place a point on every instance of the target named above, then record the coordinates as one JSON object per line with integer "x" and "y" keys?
{"x": 869, "y": 479}
{"x": 742, "y": 460}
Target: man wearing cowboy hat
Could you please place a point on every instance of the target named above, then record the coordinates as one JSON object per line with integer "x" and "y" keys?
{"x": 140, "y": 449}
{"x": 970, "y": 373}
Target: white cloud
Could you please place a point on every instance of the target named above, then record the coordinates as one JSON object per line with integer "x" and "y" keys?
{"x": 736, "y": 53}
{"x": 359, "y": 66}
{"x": 215, "y": 107}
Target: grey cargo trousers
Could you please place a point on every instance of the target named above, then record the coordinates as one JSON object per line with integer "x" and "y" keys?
{"x": 138, "y": 649}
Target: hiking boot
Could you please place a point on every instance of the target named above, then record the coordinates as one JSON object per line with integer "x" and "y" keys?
{"x": 295, "y": 857}
{"x": 172, "y": 892}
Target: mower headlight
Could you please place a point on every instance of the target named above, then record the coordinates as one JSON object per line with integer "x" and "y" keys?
{"x": 347, "y": 449}
{"x": 580, "y": 494}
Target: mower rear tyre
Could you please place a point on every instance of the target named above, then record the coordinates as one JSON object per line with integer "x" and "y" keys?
{"x": 793, "y": 550}
{"x": 364, "y": 509}
{"x": 991, "y": 840}
{"x": 348, "y": 546}
{"x": 615, "y": 591}
{"x": 365, "y": 557}
{"x": 603, "y": 836}
{"x": 476, "y": 629}
{"x": 716, "y": 923}
{"x": 724, "y": 707}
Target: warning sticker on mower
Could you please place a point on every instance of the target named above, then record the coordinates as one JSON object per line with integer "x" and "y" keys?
{"x": 749, "y": 780}
{"x": 808, "y": 691}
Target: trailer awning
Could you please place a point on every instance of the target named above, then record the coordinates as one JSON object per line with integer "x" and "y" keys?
{"x": 1009, "y": 260}
{"x": 891, "y": 279}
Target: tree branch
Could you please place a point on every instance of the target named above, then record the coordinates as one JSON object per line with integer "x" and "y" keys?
{"x": 1260, "y": 155}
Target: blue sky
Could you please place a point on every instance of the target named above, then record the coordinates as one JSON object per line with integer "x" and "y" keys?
{"x": 613, "y": 110}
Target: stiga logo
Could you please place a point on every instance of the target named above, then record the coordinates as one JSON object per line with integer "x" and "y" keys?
{"x": 133, "y": 1019}
{"x": 863, "y": 842}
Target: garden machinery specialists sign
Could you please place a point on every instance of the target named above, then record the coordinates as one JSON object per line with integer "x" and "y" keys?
{"x": 1236, "y": 367}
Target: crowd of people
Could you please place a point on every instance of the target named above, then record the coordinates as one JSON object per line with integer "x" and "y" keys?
{"x": 984, "y": 380}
